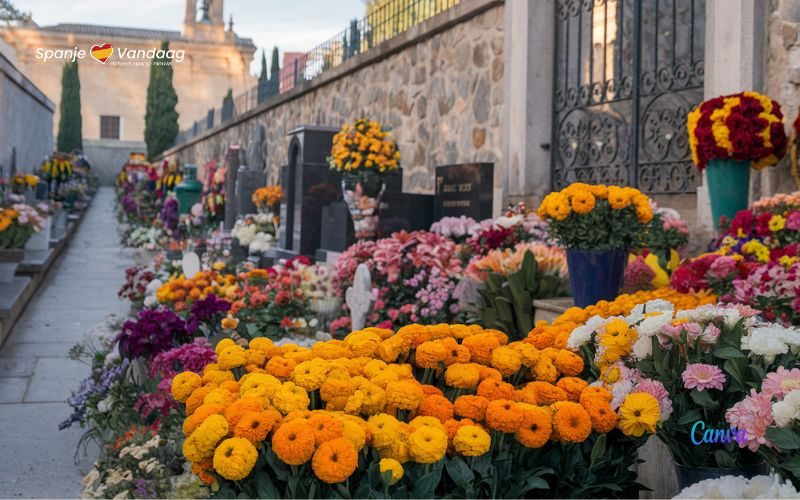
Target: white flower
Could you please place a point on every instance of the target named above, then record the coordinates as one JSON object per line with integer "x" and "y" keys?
{"x": 507, "y": 222}
{"x": 739, "y": 487}
{"x": 651, "y": 325}
{"x": 765, "y": 341}
{"x": 619, "y": 391}
{"x": 787, "y": 410}
{"x": 313, "y": 323}
{"x": 643, "y": 347}
{"x": 104, "y": 406}
{"x": 583, "y": 334}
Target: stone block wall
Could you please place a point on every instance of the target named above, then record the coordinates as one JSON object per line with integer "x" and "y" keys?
{"x": 108, "y": 156}
{"x": 26, "y": 120}
{"x": 439, "y": 86}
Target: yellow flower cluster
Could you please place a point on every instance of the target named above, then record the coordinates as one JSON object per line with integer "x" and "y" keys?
{"x": 364, "y": 144}
{"x": 22, "y": 180}
{"x": 581, "y": 199}
{"x": 181, "y": 292}
{"x": 266, "y": 197}
{"x": 7, "y": 217}
{"x": 57, "y": 166}
{"x": 755, "y": 247}
{"x": 413, "y": 396}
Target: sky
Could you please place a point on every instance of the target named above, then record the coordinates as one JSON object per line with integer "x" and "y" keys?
{"x": 292, "y": 25}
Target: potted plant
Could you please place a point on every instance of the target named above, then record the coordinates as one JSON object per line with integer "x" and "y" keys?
{"x": 364, "y": 152}
{"x": 730, "y": 134}
{"x": 17, "y": 224}
{"x": 266, "y": 200}
{"x": 598, "y": 226}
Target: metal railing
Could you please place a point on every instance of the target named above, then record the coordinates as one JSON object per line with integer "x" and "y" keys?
{"x": 385, "y": 20}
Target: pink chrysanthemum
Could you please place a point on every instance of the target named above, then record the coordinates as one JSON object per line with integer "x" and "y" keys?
{"x": 753, "y": 415}
{"x": 701, "y": 377}
{"x": 658, "y": 391}
{"x": 781, "y": 382}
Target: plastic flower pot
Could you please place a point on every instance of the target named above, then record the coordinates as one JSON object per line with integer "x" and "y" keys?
{"x": 595, "y": 275}
{"x": 689, "y": 474}
{"x": 728, "y": 187}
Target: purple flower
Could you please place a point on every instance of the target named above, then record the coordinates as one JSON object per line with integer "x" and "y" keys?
{"x": 206, "y": 310}
{"x": 188, "y": 357}
{"x": 144, "y": 489}
{"x": 91, "y": 390}
{"x": 154, "y": 331}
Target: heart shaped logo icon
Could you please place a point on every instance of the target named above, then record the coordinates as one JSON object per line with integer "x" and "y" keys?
{"x": 102, "y": 52}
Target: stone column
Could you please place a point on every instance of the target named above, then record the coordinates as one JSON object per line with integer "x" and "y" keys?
{"x": 527, "y": 124}
{"x": 735, "y": 61}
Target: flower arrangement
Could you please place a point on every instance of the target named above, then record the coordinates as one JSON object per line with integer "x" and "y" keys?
{"x": 153, "y": 331}
{"x": 597, "y": 217}
{"x": 698, "y": 363}
{"x": 267, "y": 197}
{"x": 415, "y": 275}
{"x": 22, "y": 182}
{"x": 740, "y": 487}
{"x": 213, "y": 197}
{"x": 57, "y": 168}
{"x": 431, "y": 411}
{"x": 744, "y": 126}
{"x": 147, "y": 238}
{"x": 364, "y": 145}
{"x": 517, "y": 225}
{"x": 17, "y": 225}
{"x": 137, "y": 278}
{"x": 549, "y": 259}
{"x": 457, "y": 229}
{"x": 256, "y": 232}
{"x": 179, "y": 292}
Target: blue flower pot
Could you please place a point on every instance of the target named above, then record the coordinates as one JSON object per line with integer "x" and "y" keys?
{"x": 595, "y": 275}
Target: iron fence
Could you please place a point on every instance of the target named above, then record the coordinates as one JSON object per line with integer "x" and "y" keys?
{"x": 385, "y": 20}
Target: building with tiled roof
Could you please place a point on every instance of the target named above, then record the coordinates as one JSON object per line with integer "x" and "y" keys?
{"x": 209, "y": 58}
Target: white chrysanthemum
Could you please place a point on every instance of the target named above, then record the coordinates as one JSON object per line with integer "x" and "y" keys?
{"x": 764, "y": 341}
{"x": 739, "y": 487}
{"x": 619, "y": 391}
{"x": 583, "y": 334}
{"x": 787, "y": 410}
{"x": 651, "y": 325}
{"x": 643, "y": 347}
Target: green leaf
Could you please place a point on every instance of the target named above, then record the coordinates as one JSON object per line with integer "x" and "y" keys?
{"x": 785, "y": 438}
{"x": 265, "y": 488}
{"x": 724, "y": 459}
{"x": 792, "y": 464}
{"x": 703, "y": 398}
{"x": 598, "y": 450}
{"x": 426, "y": 485}
{"x": 728, "y": 353}
{"x": 461, "y": 474}
{"x": 690, "y": 416}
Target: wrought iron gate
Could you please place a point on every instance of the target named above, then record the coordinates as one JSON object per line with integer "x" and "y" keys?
{"x": 627, "y": 72}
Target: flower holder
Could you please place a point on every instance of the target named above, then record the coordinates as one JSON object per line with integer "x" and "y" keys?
{"x": 728, "y": 187}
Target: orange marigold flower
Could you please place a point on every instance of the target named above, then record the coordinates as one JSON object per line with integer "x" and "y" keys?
{"x": 454, "y": 352}
{"x": 196, "y": 399}
{"x": 473, "y": 407}
{"x": 404, "y": 394}
{"x": 430, "y": 354}
{"x": 489, "y": 373}
{"x": 603, "y": 416}
{"x": 436, "y": 406}
{"x": 255, "y": 425}
{"x": 596, "y": 392}
{"x": 546, "y": 393}
{"x": 462, "y": 375}
{"x": 481, "y": 346}
{"x": 542, "y": 336}
{"x": 325, "y": 427}
{"x": 571, "y": 423}
{"x": 495, "y": 389}
{"x": 194, "y": 420}
{"x": 506, "y": 360}
{"x": 431, "y": 390}
{"x": 293, "y": 442}
{"x": 280, "y": 367}
{"x": 535, "y": 427}
{"x": 503, "y": 415}
{"x": 573, "y": 386}
{"x": 335, "y": 461}
{"x": 545, "y": 370}
{"x": 237, "y": 410}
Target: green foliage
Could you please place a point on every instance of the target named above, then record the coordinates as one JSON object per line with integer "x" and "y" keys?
{"x": 70, "y": 124}
{"x": 274, "y": 74}
{"x": 506, "y": 301}
{"x": 9, "y": 13}
{"x": 263, "y": 76}
{"x": 161, "y": 117}
{"x": 601, "y": 229}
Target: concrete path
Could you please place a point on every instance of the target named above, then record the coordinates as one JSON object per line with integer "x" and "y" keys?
{"x": 36, "y": 375}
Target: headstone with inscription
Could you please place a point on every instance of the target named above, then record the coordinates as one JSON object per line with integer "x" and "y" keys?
{"x": 310, "y": 185}
{"x": 465, "y": 189}
{"x": 232, "y": 163}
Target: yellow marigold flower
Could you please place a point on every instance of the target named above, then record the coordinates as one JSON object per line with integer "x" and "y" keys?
{"x": 293, "y": 442}
{"x": 535, "y": 427}
{"x": 582, "y": 202}
{"x": 573, "y": 387}
{"x": 545, "y": 370}
{"x": 262, "y": 344}
{"x": 383, "y": 428}
{"x": 507, "y": 360}
{"x": 374, "y": 398}
{"x": 406, "y": 395}
{"x": 219, "y": 397}
{"x": 428, "y": 445}
{"x": 235, "y": 458}
{"x": 183, "y": 384}
{"x": 290, "y": 398}
{"x": 232, "y": 356}
{"x": 334, "y": 461}
{"x": 392, "y": 466}
{"x": 618, "y": 197}
{"x": 217, "y": 377}
{"x": 310, "y": 374}
{"x": 571, "y": 423}
{"x": 384, "y": 378}
{"x": 424, "y": 421}
{"x": 354, "y": 433}
{"x": 362, "y": 343}
{"x": 389, "y": 350}
{"x": 638, "y": 414}
{"x": 259, "y": 385}
{"x": 462, "y": 375}
{"x": 201, "y": 443}
{"x": 530, "y": 354}
{"x": 222, "y": 344}
{"x": 472, "y": 441}
{"x": 558, "y": 206}
{"x": 430, "y": 354}
{"x": 454, "y": 352}
{"x": 403, "y": 371}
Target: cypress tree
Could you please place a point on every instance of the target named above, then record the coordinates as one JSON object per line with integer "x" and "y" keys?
{"x": 227, "y": 106}
{"x": 70, "y": 123}
{"x": 161, "y": 117}
{"x": 274, "y": 74}
{"x": 355, "y": 38}
{"x": 263, "y": 76}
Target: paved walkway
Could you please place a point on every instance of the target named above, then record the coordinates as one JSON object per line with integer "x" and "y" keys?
{"x": 36, "y": 376}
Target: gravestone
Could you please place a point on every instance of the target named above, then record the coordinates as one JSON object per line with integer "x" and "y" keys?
{"x": 251, "y": 175}
{"x": 310, "y": 185}
{"x": 404, "y": 211}
{"x": 232, "y": 163}
{"x": 359, "y": 297}
{"x": 465, "y": 189}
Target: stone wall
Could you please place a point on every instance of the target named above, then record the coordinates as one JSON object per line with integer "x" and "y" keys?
{"x": 107, "y": 157}
{"x": 439, "y": 86}
{"x": 26, "y": 120}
